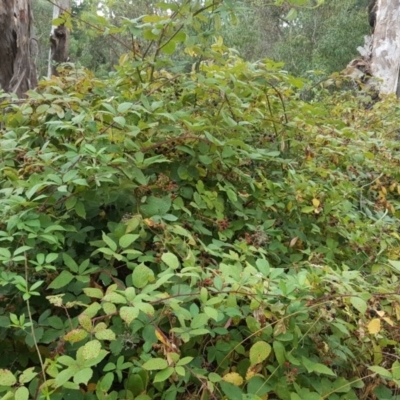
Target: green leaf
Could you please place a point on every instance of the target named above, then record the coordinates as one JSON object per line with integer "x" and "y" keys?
{"x": 120, "y": 120}
{"x": 383, "y": 372}
{"x": 163, "y": 375}
{"x": 22, "y": 393}
{"x": 115, "y": 298}
{"x": 27, "y": 375}
{"x": 94, "y": 292}
{"x": 64, "y": 376}
{"x": 141, "y": 276}
{"x": 169, "y": 48}
{"x": 80, "y": 209}
{"x": 109, "y": 242}
{"x": 70, "y": 263}
{"x": 279, "y": 351}
{"x": 185, "y": 360}
{"x": 156, "y": 206}
{"x": 231, "y": 391}
{"x": 126, "y": 240}
{"x": 7, "y": 378}
{"x": 259, "y": 352}
{"x": 199, "y": 321}
{"x": 312, "y": 366}
{"x": 155, "y": 364}
{"x": 171, "y": 260}
{"x": 395, "y": 264}
{"x": 105, "y": 334}
{"x": 124, "y": 107}
{"x": 91, "y": 350}
{"x": 128, "y": 314}
{"x": 106, "y": 382}
{"x": 263, "y": 266}
{"x": 211, "y": 313}
{"x": 83, "y": 376}
{"x": 359, "y": 304}
{"x": 62, "y": 280}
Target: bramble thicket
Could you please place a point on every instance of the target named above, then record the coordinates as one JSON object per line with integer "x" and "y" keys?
{"x": 216, "y": 229}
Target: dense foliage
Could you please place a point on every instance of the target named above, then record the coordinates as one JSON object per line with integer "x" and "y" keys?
{"x": 198, "y": 235}
{"x": 304, "y": 38}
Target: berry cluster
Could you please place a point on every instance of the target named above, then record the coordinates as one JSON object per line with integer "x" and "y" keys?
{"x": 222, "y": 224}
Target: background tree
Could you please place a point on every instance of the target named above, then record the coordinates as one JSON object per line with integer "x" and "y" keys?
{"x": 323, "y": 38}
{"x": 18, "y": 47}
{"x": 385, "y": 53}
{"x": 59, "y": 36}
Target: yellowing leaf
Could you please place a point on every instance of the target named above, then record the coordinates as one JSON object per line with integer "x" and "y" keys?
{"x": 397, "y": 310}
{"x": 374, "y": 326}
{"x": 234, "y": 378}
{"x": 389, "y": 321}
{"x": 259, "y": 352}
{"x": 316, "y": 203}
{"x": 76, "y": 335}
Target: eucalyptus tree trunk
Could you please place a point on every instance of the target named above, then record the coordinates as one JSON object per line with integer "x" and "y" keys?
{"x": 18, "y": 47}
{"x": 59, "y": 37}
{"x": 385, "y": 54}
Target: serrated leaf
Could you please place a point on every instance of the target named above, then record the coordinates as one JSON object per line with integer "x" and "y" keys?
{"x": 70, "y": 262}
{"x": 185, "y": 360}
{"x": 92, "y": 310}
{"x": 211, "y": 313}
{"x": 259, "y": 352}
{"x": 359, "y": 304}
{"x": 312, "y": 366}
{"x": 109, "y": 308}
{"x": 156, "y": 206}
{"x": 83, "y": 376}
{"x": 163, "y": 375}
{"x": 106, "y": 334}
{"x": 124, "y": 107}
{"x": 115, "y": 298}
{"x": 62, "y": 280}
{"x": 396, "y": 370}
{"x": 231, "y": 391}
{"x": 171, "y": 260}
{"x": 85, "y": 321}
{"x": 279, "y": 351}
{"x": 126, "y": 240}
{"x": 7, "y": 378}
{"x": 106, "y": 382}
{"x": 128, "y": 314}
{"x": 169, "y": 47}
{"x": 120, "y": 120}
{"x": 381, "y": 371}
{"x": 64, "y": 376}
{"x": 91, "y": 350}
{"x": 109, "y": 242}
{"x": 145, "y": 307}
{"x": 76, "y": 335}
{"x": 234, "y": 378}
{"x": 80, "y": 209}
{"x": 141, "y": 276}
{"x": 155, "y": 364}
{"x": 93, "y": 292}
{"x": 22, "y": 393}
{"x": 27, "y": 375}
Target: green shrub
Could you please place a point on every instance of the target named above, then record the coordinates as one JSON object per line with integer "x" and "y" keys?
{"x": 203, "y": 235}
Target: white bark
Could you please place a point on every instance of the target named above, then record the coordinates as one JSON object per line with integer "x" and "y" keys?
{"x": 385, "y": 57}
{"x": 59, "y": 37}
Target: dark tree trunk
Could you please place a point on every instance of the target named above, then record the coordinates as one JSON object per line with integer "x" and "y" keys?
{"x": 18, "y": 47}
{"x": 59, "y": 37}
